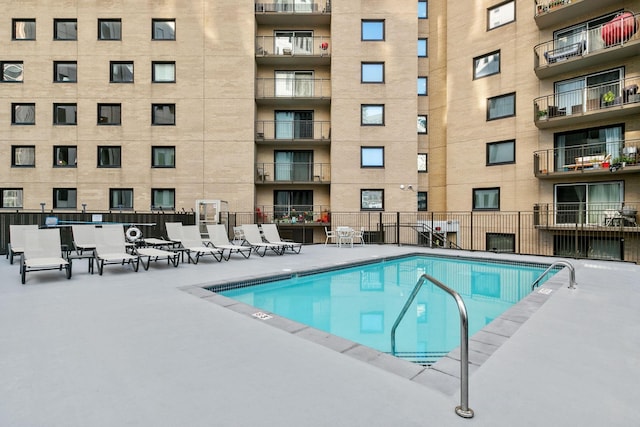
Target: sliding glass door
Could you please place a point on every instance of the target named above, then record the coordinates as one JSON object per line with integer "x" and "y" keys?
{"x": 294, "y": 166}
{"x": 294, "y": 124}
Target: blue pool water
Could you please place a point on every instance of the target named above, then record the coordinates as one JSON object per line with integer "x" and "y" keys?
{"x": 361, "y": 303}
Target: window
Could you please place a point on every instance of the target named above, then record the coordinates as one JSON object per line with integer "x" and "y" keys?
{"x": 11, "y": 198}
{"x": 109, "y": 29}
{"x": 501, "y": 242}
{"x": 109, "y": 114}
{"x": 121, "y": 72}
{"x": 23, "y": 155}
{"x": 501, "y": 14}
{"x": 163, "y": 157}
{"x": 23, "y": 114}
{"x": 422, "y": 86}
{"x": 12, "y": 71}
{"x": 486, "y": 65}
{"x": 372, "y": 157}
{"x": 64, "y": 198}
{"x": 501, "y": 106}
{"x": 121, "y": 198}
{"x": 66, "y": 72}
{"x": 422, "y": 162}
{"x": 585, "y": 203}
{"x": 163, "y": 29}
{"x": 500, "y": 153}
{"x": 294, "y": 166}
{"x": 294, "y": 124}
{"x": 422, "y": 124}
{"x": 423, "y": 48}
{"x": 163, "y": 72}
{"x": 572, "y": 92}
{"x": 372, "y": 30}
{"x": 24, "y": 29}
{"x": 109, "y": 156}
{"x": 607, "y": 140}
{"x": 163, "y": 198}
{"x": 288, "y": 203}
{"x": 372, "y": 72}
{"x": 423, "y": 11}
{"x": 372, "y": 115}
{"x": 65, "y": 29}
{"x": 486, "y": 199}
{"x": 65, "y": 114}
{"x": 422, "y": 201}
{"x": 372, "y": 200}
{"x": 65, "y": 156}
{"x": 163, "y": 114}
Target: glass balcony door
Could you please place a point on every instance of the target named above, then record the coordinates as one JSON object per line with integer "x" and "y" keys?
{"x": 294, "y": 125}
{"x": 294, "y": 166}
{"x": 294, "y": 83}
{"x": 293, "y": 42}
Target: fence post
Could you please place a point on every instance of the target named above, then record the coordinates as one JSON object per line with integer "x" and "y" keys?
{"x": 398, "y": 228}
{"x": 471, "y": 227}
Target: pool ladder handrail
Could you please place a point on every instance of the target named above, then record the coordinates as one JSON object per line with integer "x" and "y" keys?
{"x": 572, "y": 274}
{"x": 463, "y": 410}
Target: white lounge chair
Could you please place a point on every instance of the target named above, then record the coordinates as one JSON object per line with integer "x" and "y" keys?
{"x": 111, "y": 249}
{"x": 174, "y": 231}
{"x": 271, "y": 235}
{"x": 191, "y": 241}
{"x": 42, "y": 251}
{"x": 16, "y": 239}
{"x": 218, "y": 236}
{"x": 253, "y": 238}
{"x": 155, "y": 254}
{"x": 84, "y": 237}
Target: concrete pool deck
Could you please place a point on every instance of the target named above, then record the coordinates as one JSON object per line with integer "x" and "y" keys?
{"x": 150, "y": 349}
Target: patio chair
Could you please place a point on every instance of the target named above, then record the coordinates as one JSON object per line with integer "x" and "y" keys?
{"x": 16, "y": 240}
{"x": 253, "y": 238}
{"x": 219, "y": 239}
{"x": 271, "y": 235}
{"x": 192, "y": 243}
{"x": 84, "y": 237}
{"x": 359, "y": 236}
{"x": 331, "y": 235}
{"x": 238, "y": 235}
{"x": 111, "y": 249}
{"x": 42, "y": 251}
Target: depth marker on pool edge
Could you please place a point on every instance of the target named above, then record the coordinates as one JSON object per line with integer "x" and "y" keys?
{"x": 262, "y": 316}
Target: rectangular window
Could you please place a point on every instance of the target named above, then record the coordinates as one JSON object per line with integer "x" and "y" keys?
{"x": 163, "y": 157}
{"x": 292, "y": 203}
{"x": 501, "y": 106}
{"x": 422, "y": 201}
{"x": 163, "y": 198}
{"x": 23, "y": 114}
{"x": 65, "y": 29}
{"x": 121, "y": 198}
{"x": 12, "y": 71}
{"x": 487, "y": 199}
{"x": 23, "y": 155}
{"x": 294, "y": 124}
{"x": 486, "y": 65}
{"x": 295, "y": 43}
{"x": 163, "y": 72}
{"x": 372, "y": 115}
{"x": 501, "y": 14}
{"x": 109, "y": 156}
{"x": 599, "y": 141}
{"x": 372, "y": 72}
{"x": 423, "y": 11}
{"x": 501, "y": 242}
{"x": 23, "y": 29}
{"x": 65, "y": 114}
{"x": 372, "y": 200}
{"x": 372, "y": 30}
{"x": 163, "y": 114}
{"x": 121, "y": 72}
{"x": 422, "y": 86}
{"x": 11, "y": 198}
{"x": 109, "y": 114}
{"x": 500, "y": 153}
{"x": 422, "y": 124}
{"x": 422, "y": 162}
{"x": 293, "y": 166}
{"x": 163, "y": 29}
{"x": 587, "y": 203}
{"x": 64, "y": 198}
{"x": 65, "y": 72}
{"x": 109, "y": 29}
{"x": 423, "y": 48}
{"x": 65, "y": 156}
{"x": 372, "y": 157}
{"x": 294, "y": 84}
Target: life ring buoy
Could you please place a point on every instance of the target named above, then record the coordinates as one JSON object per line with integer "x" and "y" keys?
{"x": 133, "y": 234}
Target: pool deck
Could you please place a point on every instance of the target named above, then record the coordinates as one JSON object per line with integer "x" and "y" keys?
{"x": 153, "y": 349}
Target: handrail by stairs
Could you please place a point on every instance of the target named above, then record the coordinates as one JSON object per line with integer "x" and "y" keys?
{"x": 463, "y": 410}
{"x": 572, "y": 274}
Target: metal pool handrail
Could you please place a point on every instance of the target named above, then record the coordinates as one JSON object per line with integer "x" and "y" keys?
{"x": 572, "y": 274}
{"x": 463, "y": 410}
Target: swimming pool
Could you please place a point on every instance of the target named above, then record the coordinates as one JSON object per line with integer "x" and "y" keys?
{"x": 361, "y": 302}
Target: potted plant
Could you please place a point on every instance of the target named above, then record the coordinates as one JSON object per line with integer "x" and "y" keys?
{"x": 608, "y": 98}
{"x": 542, "y": 114}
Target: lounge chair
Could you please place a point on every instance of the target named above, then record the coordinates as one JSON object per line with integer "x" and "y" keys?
{"x": 218, "y": 236}
{"x": 253, "y": 238}
{"x": 111, "y": 249}
{"x": 174, "y": 231}
{"x": 191, "y": 241}
{"x": 155, "y": 254}
{"x": 84, "y": 237}
{"x": 42, "y": 251}
{"x": 271, "y": 235}
{"x": 16, "y": 240}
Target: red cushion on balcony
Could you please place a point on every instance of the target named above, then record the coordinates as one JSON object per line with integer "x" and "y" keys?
{"x": 619, "y": 29}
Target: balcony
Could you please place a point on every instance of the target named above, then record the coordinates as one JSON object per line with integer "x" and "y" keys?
{"x": 292, "y": 91}
{"x": 550, "y": 13}
{"x": 614, "y": 99}
{"x": 299, "y": 132}
{"x": 593, "y": 159}
{"x": 293, "y": 11}
{"x": 588, "y": 48}
{"x": 293, "y": 173}
{"x": 288, "y": 51}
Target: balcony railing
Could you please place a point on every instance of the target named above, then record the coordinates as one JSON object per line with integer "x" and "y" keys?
{"x": 294, "y": 172}
{"x": 550, "y": 13}
{"x": 293, "y": 6}
{"x": 284, "y": 88}
{"x": 604, "y": 157}
{"x": 293, "y": 130}
{"x": 284, "y": 46}
{"x": 594, "y": 214}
